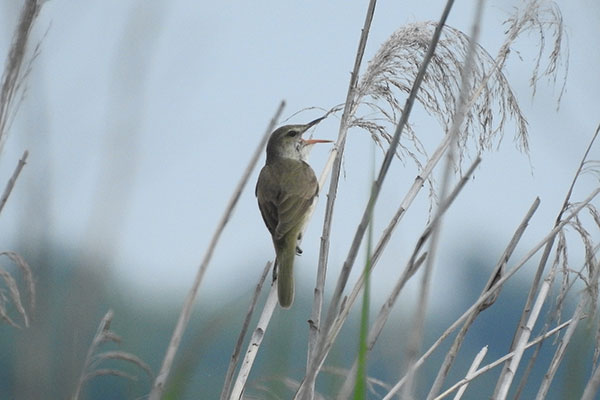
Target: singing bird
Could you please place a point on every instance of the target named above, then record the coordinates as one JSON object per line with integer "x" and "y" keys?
{"x": 285, "y": 191}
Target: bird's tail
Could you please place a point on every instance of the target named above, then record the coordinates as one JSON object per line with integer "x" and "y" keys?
{"x": 285, "y": 274}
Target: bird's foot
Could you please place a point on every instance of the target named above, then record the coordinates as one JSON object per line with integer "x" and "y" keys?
{"x": 298, "y": 240}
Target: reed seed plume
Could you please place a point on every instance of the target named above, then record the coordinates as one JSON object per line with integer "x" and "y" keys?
{"x": 542, "y": 18}
{"x": 392, "y": 70}
{"x": 94, "y": 358}
{"x": 492, "y": 103}
{"x": 586, "y": 228}
{"x": 17, "y": 67}
{"x": 12, "y": 294}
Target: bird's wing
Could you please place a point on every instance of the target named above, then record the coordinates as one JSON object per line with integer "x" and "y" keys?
{"x": 298, "y": 191}
{"x": 267, "y": 191}
{"x": 285, "y": 191}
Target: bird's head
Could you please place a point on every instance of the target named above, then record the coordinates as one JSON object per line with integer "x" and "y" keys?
{"x": 287, "y": 142}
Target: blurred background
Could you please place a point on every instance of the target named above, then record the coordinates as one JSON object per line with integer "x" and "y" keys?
{"x": 140, "y": 117}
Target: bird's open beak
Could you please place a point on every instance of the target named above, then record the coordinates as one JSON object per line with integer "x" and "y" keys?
{"x": 313, "y": 141}
{"x": 316, "y": 121}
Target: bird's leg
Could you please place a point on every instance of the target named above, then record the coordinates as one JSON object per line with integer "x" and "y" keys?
{"x": 275, "y": 265}
{"x": 298, "y": 249}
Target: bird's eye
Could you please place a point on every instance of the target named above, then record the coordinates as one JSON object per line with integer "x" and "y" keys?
{"x": 292, "y": 133}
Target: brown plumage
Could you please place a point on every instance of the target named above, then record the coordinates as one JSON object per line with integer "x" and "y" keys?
{"x": 285, "y": 191}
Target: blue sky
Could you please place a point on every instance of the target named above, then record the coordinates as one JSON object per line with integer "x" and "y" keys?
{"x": 140, "y": 117}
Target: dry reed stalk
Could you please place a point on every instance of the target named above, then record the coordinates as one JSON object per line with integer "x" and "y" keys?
{"x": 563, "y": 343}
{"x": 508, "y": 105}
{"x": 543, "y": 261}
{"x": 474, "y": 365}
{"x": 344, "y": 373}
{"x": 319, "y": 355}
{"x": 225, "y": 393}
{"x": 161, "y": 379}
{"x": 499, "y": 361}
{"x": 416, "y": 335}
{"x": 254, "y": 345}
{"x": 406, "y": 202}
{"x": 335, "y": 162}
{"x": 378, "y": 325}
{"x": 561, "y": 349}
{"x": 591, "y": 389}
{"x": 526, "y": 331}
{"x": 587, "y": 299}
{"x": 494, "y": 276}
{"x": 411, "y": 268}
{"x": 488, "y": 294}
{"x": 13, "y": 179}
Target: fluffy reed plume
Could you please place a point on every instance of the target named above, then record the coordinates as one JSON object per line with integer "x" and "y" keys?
{"x": 17, "y": 68}
{"x": 13, "y": 294}
{"x": 93, "y": 359}
{"x": 541, "y": 18}
{"x": 11, "y": 93}
{"x": 391, "y": 72}
{"x": 491, "y": 105}
{"x": 585, "y": 227}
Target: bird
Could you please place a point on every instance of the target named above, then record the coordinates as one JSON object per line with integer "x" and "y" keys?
{"x": 285, "y": 190}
